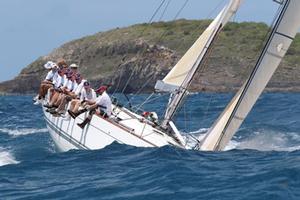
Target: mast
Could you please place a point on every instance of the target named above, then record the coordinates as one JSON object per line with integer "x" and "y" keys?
{"x": 179, "y": 78}
{"x": 281, "y": 37}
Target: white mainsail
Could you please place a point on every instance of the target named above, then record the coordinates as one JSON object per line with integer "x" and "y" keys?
{"x": 282, "y": 35}
{"x": 179, "y": 78}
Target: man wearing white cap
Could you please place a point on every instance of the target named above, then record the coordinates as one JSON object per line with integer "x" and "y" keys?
{"x": 48, "y": 82}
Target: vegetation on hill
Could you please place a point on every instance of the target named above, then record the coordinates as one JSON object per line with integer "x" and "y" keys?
{"x": 145, "y": 52}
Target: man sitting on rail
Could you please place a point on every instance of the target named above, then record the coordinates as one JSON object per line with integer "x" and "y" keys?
{"x": 102, "y": 106}
{"x": 87, "y": 98}
{"x": 57, "y": 85}
{"x": 68, "y": 93}
{"x": 48, "y": 82}
{"x": 66, "y": 89}
{"x": 73, "y": 95}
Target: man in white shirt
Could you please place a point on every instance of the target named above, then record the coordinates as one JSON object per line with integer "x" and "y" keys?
{"x": 68, "y": 93}
{"x": 103, "y": 102}
{"x": 80, "y": 81}
{"x": 58, "y": 96}
{"x": 102, "y": 106}
{"x": 87, "y": 98}
{"x": 48, "y": 82}
{"x": 54, "y": 91}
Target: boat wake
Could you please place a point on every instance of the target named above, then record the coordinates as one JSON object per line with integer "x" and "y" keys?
{"x": 23, "y": 131}
{"x": 267, "y": 140}
{"x": 263, "y": 140}
{"x": 6, "y": 158}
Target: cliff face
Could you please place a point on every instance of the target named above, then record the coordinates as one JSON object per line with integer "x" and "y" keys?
{"x": 141, "y": 54}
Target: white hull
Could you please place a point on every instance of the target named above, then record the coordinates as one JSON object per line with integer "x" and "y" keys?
{"x": 124, "y": 127}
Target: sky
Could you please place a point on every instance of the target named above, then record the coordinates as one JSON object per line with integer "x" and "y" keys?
{"x": 33, "y": 28}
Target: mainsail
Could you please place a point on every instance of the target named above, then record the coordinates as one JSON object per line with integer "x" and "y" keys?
{"x": 179, "y": 78}
{"x": 281, "y": 37}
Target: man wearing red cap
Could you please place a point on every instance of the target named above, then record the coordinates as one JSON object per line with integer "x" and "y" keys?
{"x": 103, "y": 102}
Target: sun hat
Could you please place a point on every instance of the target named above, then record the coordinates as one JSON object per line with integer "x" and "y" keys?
{"x": 54, "y": 65}
{"x": 48, "y": 65}
{"x": 73, "y": 65}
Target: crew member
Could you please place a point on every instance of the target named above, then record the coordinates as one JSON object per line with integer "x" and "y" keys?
{"x": 87, "y": 98}
{"x": 48, "y": 82}
{"x": 101, "y": 107}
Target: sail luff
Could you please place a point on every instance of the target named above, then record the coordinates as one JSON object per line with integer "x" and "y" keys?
{"x": 180, "y": 72}
{"x": 183, "y": 72}
{"x": 279, "y": 41}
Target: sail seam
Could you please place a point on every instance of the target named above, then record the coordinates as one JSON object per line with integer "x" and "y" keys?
{"x": 284, "y": 35}
{"x": 239, "y": 118}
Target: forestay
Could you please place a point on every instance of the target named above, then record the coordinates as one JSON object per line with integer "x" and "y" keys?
{"x": 282, "y": 35}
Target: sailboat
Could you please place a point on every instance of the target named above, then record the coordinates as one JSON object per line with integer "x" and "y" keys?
{"x": 131, "y": 128}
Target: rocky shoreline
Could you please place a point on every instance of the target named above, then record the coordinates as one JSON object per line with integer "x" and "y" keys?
{"x": 140, "y": 55}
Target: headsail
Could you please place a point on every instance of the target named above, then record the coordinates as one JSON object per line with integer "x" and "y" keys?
{"x": 179, "y": 73}
{"x": 282, "y": 35}
{"x": 179, "y": 78}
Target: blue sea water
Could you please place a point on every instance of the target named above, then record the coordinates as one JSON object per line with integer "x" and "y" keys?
{"x": 261, "y": 162}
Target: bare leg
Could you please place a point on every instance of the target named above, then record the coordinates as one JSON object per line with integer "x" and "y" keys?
{"x": 63, "y": 103}
{"x": 76, "y": 107}
{"x": 72, "y": 104}
{"x": 54, "y": 98}
{"x": 59, "y": 99}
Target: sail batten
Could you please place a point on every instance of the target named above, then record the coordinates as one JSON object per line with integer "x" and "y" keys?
{"x": 276, "y": 47}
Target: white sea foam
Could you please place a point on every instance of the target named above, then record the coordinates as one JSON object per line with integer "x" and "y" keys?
{"x": 270, "y": 141}
{"x": 6, "y": 158}
{"x": 199, "y": 131}
{"x": 264, "y": 140}
{"x": 22, "y": 131}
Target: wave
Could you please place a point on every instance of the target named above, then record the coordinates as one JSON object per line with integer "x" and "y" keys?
{"x": 267, "y": 140}
{"x": 199, "y": 131}
{"x": 23, "y": 131}
{"x": 6, "y": 158}
{"x": 264, "y": 140}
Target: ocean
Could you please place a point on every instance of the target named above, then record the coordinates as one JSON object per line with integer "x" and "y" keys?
{"x": 261, "y": 162}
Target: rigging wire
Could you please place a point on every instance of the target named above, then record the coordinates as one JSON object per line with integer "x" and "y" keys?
{"x": 165, "y": 9}
{"x": 163, "y": 34}
{"x": 119, "y": 81}
{"x": 177, "y": 14}
{"x": 202, "y": 68}
{"x": 144, "y": 85}
{"x": 125, "y": 86}
{"x": 156, "y": 11}
{"x": 261, "y": 45}
{"x": 152, "y": 17}
{"x": 149, "y": 101}
{"x": 181, "y": 9}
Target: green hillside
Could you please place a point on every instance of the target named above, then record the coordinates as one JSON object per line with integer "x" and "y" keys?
{"x": 147, "y": 51}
